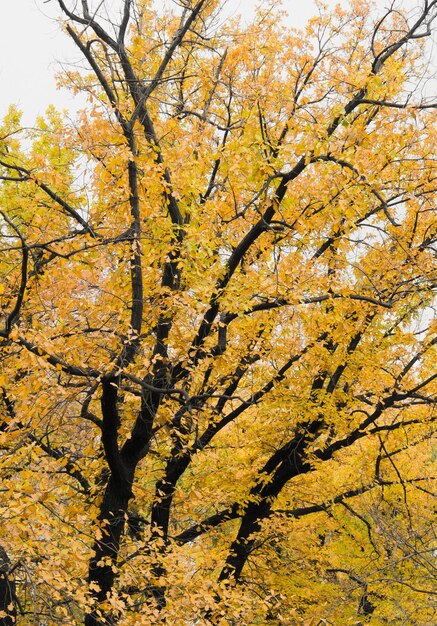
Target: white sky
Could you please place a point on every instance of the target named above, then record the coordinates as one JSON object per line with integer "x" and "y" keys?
{"x": 32, "y": 46}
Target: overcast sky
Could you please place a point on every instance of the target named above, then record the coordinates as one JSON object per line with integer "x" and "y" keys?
{"x": 32, "y": 47}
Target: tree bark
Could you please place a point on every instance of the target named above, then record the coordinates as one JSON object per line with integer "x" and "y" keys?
{"x": 102, "y": 568}
{"x": 8, "y": 611}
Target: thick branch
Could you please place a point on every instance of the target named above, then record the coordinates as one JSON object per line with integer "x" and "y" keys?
{"x": 13, "y": 315}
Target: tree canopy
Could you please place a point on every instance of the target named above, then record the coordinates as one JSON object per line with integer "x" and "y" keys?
{"x": 217, "y": 342}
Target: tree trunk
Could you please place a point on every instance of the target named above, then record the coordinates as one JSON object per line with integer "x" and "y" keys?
{"x": 8, "y": 612}
{"x": 102, "y": 569}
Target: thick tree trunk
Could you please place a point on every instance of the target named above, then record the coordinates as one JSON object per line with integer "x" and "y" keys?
{"x": 102, "y": 569}
{"x": 114, "y": 507}
{"x": 8, "y": 612}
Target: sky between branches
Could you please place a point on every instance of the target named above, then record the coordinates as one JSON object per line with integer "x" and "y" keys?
{"x": 32, "y": 49}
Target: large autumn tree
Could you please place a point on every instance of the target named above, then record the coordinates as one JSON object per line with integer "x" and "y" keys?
{"x": 218, "y": 379}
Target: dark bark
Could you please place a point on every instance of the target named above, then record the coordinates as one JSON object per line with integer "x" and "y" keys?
{"x": 7, "y": 592}
{"x": 102, "y": 569}
{"x": 113, "y": 509}
{"x": 113, "y": 513}
{"x": 288, "y": 462}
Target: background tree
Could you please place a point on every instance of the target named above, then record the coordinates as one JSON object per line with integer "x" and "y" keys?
{"x": 218, "y": 351}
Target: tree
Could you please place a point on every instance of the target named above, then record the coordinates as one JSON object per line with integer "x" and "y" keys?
{"x": 218, "y": 352}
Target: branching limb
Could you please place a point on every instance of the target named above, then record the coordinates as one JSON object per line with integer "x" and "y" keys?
{"x": 13, "y": 315}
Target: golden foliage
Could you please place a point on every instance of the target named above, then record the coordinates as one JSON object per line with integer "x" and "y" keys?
{"x": 218, "y": 377}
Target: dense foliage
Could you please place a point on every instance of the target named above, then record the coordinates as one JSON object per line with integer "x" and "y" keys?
{"x": 218, "y": 379}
